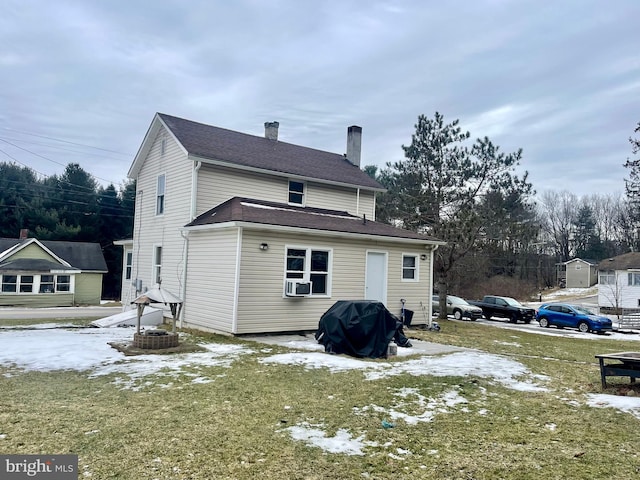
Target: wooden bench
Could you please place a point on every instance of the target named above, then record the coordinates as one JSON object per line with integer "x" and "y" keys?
{"x": 627, "y": 364}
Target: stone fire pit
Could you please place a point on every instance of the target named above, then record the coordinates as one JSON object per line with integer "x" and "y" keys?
{"x": 155, "y": 340}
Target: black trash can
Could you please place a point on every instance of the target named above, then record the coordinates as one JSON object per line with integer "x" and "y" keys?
{"x": 408, "y": 316}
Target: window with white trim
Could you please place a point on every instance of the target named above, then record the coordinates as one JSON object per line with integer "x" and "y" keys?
{"x": 310, "y": 265}
{"x": 409, "y": 268}
{"x": 160, "y": 192}
{"x": 634, "y": 279}
{"x": 157, "y": 264}
{"x": 129, "y": 264}
{"x": 296, "y": 192}
{"x": 26, "y": 283}
{"x": 607, "y": 277}
{"x": 63, "y": 283}
{"x": 9, "y": 283}
{"x": 47, "y": 283}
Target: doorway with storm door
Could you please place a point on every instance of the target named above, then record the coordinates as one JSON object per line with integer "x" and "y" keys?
{"x": 375, "y": 286}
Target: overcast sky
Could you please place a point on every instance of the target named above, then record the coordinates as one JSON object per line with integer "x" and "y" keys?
{"x": 80, "y": 81}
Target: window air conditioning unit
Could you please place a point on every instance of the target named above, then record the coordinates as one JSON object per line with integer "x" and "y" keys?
{"x": 297, "y": 289}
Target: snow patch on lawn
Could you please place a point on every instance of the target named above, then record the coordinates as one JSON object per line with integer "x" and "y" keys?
{"x": 342, "y": 442}
{"x": 626, "y": 404}
{"x": 460, "y": 364}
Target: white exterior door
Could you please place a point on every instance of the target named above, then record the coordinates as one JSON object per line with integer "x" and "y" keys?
{"x": 375, "y": 287}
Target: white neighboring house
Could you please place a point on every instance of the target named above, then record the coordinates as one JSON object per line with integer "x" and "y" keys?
{"x": 258, "y": 235}
{"x": 619, "y": 282}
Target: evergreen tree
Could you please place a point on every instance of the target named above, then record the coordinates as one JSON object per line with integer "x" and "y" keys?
{"x": 442, "y": 188}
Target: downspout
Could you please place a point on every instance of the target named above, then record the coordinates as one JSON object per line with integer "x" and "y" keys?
{"x": 185, "y": 236}
{"x": 194, "y": 189}
{"x": 236, "y": 284}
{"x": 185, "y": 256}
{"x": 430, "y": 299}
{"x": 358, "y": 201}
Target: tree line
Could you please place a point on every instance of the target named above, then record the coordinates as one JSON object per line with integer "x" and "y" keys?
{"x": 72, "y": 207}
{"x": 500, "y": 238}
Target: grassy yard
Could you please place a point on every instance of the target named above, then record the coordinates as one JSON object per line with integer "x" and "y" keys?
{"x": 243, "y": 423}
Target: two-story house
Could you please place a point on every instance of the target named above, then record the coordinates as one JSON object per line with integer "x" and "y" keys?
{"x": 258, "y": 235}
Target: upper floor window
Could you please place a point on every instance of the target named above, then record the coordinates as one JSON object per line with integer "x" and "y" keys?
{"x": 310, "y": 265}
{"x": 157, "y": 264}
{"x": 634, "y": 279}
{"x": 163, "y": 146}
{"x": 296, "y": 192}
{"x": 607, "y": 277}
{"x": 410, "y": 268}
{"x": 160, "y": 188}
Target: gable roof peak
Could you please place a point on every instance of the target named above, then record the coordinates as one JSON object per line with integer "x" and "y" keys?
{"x": 233, "y": 149}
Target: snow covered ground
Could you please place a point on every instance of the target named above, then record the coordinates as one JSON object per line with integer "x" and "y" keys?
{"x": 44, "y": 348}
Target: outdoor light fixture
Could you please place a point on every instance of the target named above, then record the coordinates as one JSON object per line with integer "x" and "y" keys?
{"x": 423, "y": 257}
{"x": 264, "y": 246}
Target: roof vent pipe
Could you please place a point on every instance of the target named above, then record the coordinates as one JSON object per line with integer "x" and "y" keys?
{"x": 271, "y": 130}
{"x": 354, "y": 144}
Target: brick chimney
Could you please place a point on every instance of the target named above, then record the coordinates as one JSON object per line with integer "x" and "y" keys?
{"x": 354, "y": 143}
{"x": 271, "y": 130}
{"x": 24, "y": 233}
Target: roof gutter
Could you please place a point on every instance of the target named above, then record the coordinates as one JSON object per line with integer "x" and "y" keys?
{"x": 311, "y": 231}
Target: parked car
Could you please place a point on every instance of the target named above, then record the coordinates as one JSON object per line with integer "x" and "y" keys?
{"x": 573, "y": 316}
{"x": 458, "y": 307}
{"x": 504, "y": 307}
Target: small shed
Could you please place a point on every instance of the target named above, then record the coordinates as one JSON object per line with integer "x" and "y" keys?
{"x": 581, "y": 273}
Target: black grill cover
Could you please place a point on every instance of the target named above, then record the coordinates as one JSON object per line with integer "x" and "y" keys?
{"x": 360, "y": 328}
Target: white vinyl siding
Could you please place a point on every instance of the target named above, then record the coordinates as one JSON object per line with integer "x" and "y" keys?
{"x": 263, "y": 308}
{"x": 151, "y": 230}
{"x": 211, "y": 278}
{"x": 218, "y": 184}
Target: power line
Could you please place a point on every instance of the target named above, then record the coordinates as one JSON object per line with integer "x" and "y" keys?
{"x": 45, "y": 158}
{"x": 67, "y": 141}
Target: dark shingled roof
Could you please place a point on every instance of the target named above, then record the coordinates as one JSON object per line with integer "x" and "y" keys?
{"x": 245, "y": 150}
{"x": 80, "y": 255}
{"x": 31, "y": 265}
{"x": 625, "y": 261}
{"x": 249, "y": 210}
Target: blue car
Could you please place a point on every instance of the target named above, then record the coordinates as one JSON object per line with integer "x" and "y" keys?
{"x": 573, "y": 316}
